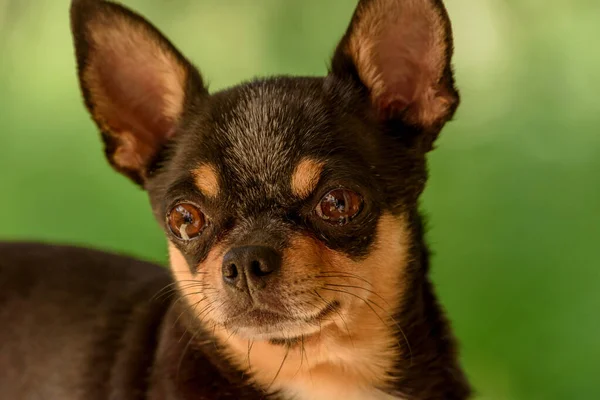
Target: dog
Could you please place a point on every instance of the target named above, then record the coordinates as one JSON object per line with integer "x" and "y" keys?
{"x": 298, "y": 265}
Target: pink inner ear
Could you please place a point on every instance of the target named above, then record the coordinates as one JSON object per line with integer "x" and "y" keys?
{"x": 398, "y": 62}
{"x": 134, "y": 101}
{"x": 401, "y": 57}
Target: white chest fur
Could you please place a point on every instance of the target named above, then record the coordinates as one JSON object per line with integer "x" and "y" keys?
{"x": 335, "y": 392}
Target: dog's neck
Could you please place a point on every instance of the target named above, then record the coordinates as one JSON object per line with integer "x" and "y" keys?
{"x": 409, "y": 356}
{"x": 433, "y": 371}
{"x": 423, "y": 364}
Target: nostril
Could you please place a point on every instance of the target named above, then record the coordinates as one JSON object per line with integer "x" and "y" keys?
{"x": 230, "y": 271}
{"x": 257, "y": 269}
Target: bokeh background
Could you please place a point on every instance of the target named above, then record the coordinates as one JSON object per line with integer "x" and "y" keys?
{"x": 514, "y": 195}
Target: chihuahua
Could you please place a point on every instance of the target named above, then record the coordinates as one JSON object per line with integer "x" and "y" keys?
{"x": 298, "y": 267}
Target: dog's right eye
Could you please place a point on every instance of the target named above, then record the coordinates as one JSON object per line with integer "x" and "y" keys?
{"x": 186, "y": 221}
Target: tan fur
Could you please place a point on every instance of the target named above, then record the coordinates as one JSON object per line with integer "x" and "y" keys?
{"x": 208, "y": 271}
{"x": 306, "y": 177}
{"x": 349, "y": 355}
{"x": 128, "y": 154}
{"x": 207, "y": 180}
{"x": 139, "y": 48}
{"x": 139, "y": 52}
{"x": 394, "y": 41}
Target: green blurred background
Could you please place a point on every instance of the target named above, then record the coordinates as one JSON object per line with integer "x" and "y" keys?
{"x": 514, "y": 197}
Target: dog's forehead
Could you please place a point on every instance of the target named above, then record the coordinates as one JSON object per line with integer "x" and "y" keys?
{"x": 265, "y": 132}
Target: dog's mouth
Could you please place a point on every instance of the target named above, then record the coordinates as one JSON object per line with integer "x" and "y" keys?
{"x": 277, "y": 327}
{"x": 325, "y": 312}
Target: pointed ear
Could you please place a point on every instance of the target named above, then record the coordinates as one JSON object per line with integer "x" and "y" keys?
{"x": 401, "y": 50}
{"x": 134, "y": 82}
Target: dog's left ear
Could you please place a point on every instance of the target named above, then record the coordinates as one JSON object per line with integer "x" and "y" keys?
{"x": 401, "y": 50}
{"x": 134, "y": 81}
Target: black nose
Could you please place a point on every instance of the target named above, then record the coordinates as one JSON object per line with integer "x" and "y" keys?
{"x": 250, "y": 265}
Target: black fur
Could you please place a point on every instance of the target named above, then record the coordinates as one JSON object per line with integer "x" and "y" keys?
{"x": 83, "y": 324}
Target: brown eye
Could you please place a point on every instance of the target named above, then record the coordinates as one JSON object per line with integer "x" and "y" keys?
{"x": 339, "y": 206}
{"x": 186, "y": 221}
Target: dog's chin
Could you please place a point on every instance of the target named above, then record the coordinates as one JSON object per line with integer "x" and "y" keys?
{"x": 279, "y": 334}
{"x": 264, "y": 325}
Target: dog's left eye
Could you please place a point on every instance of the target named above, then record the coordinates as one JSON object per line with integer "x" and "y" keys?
{"x": 339, "y": 206}
{"x": 186, "y": 221}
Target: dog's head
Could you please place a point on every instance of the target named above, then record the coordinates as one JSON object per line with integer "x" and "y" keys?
{"x": 286, "y": 201}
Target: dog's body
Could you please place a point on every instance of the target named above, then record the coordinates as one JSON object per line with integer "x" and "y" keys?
{"x": 299, "y": 269}
{"x": 83, "y": 324}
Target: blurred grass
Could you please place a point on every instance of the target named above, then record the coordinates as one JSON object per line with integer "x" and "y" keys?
{"x": 513, "y": 200}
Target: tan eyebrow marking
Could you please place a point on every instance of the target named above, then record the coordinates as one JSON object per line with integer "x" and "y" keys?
{"x": 206, "y": 179}
{"x": 306, "y": 177}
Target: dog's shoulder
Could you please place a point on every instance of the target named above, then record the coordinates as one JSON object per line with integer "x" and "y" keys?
{"x": 74, "y": 316}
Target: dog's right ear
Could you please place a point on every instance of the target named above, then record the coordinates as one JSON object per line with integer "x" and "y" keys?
{"x": 134, "y": 81}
